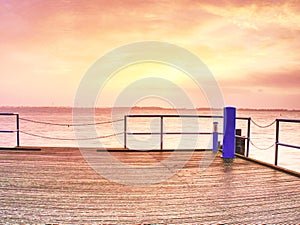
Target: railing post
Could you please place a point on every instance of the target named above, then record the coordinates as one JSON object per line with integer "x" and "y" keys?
{"x": 18, "y": 130}
{"x": 276, "y": 142}
{"x": 125, "y": 131}
{"x": 229, "y": 132}
{"x": 248, "y": 136}
{"x": 239, "y": 142}
{"x": 161, "y": 132}
{"x": 215, "y": 137}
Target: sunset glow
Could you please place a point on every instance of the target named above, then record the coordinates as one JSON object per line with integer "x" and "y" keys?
{"x": 251, "y": 47}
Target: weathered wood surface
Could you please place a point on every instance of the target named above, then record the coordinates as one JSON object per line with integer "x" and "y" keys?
{"x": 56, "y": 185}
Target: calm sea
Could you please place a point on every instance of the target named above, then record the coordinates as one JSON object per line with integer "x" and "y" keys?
{"x": 58, "y": 126}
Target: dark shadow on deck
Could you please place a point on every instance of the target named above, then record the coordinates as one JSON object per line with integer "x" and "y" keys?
{"x": 151, "y": 150}
{"x": 20, "y": 149}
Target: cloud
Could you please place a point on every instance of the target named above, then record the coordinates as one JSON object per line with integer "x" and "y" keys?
{"x": 255, "y": 14}
{"x": 289, "y": 80}
{"x": 277, "y": 79}
{"x": 246, "y": 44}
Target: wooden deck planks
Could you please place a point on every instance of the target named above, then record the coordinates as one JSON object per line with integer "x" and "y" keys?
{"x": 56, "y": 185}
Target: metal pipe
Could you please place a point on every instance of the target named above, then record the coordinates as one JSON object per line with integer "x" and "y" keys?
{"x": 248, "y": 136}
{"x": 161, "y": 132}
{"x": 175, "y": 116}
{"x": 18, "y": 130}
{"x": 125, "y": 131}
{"x": 276, "y": 142}
{"x": 170, "y": 133}
{"x": 289, "y": 120}
{"x": 288, "y": 145}
{"x": 7, "y": 114}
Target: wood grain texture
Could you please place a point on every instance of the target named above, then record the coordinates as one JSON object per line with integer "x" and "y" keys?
{"x": 56, "y": 185}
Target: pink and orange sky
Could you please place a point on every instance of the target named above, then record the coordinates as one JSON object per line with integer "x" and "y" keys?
{"x": 251, "y": 47}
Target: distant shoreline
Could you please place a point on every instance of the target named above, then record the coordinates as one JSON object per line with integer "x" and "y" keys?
{"x": 146, "y": 108}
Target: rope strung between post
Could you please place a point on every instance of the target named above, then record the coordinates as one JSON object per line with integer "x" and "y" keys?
{"x": 70, "y": 125}
{"x": 70, "y": 139}
{"x": 263, "y": 149}
{"x": 262, "y": 126}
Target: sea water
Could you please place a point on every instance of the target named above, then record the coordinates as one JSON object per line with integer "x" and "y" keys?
{"x": 53, "y": 126}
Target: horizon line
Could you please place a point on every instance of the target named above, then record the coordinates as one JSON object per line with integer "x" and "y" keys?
{"x": 155, "y": 107}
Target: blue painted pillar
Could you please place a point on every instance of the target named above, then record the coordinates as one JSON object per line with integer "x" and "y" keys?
{"x": 215, "y": 137}
{"x": 229, "y": 132}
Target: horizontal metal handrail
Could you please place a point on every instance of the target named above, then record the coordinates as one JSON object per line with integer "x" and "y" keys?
{"x": 175, "y": 133}
{"x": 243, "y": 118}
{"x": 288, "y": 120}
{"x": 174, "y": 116}
{"x": 7, "y": 131}
{"x": 187, "y": 116}
{"x": 288, "y": 145}
{"x": 242, "y": 137}
{"x": 7, "y": 114}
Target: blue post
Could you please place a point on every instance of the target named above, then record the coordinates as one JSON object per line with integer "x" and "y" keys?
{"x": 215, "y": 138}
{"x": 229, "y": 132}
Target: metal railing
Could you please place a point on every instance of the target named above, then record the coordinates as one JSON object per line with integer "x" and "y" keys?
{"x": 17, "y": 131}
{"x": 162, "y": 133}
{"x": 277, "y": 143}
{"x": 248, "y": 119}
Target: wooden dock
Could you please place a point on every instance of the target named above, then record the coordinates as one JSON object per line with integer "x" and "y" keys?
{"x": 56, "y": 185}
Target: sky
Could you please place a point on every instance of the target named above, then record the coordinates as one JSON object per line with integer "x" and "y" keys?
{"x": 251, "y": 47}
